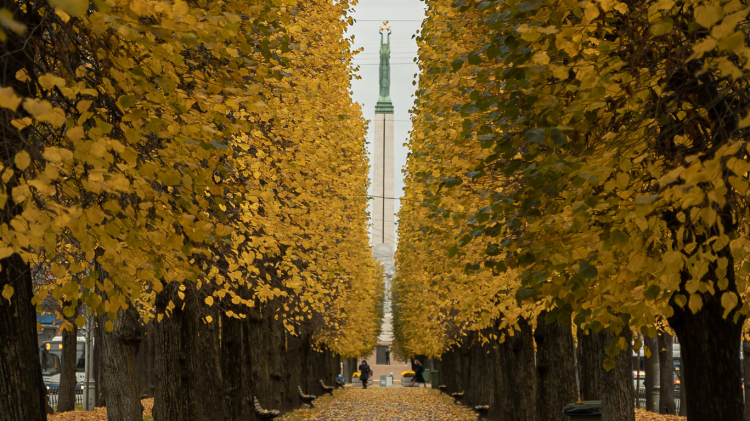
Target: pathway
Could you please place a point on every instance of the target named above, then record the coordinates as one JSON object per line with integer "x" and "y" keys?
{"x": 393, "y": 403}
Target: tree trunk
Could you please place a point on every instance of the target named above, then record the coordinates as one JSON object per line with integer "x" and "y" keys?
{"x": 589, "y": 347}
{"x": 666, "y": 366}
{"x": 119, "y": 349}
{"x": 683, "y": 406}
{"x": 617, "y": 383}
{"x": 145, "y": 363}
{"x": 652, "y": 345}
{"x": 637, "y": 386}
{"x": 710, "y": 362}
{"x": 515, "y": 377}
{"x": 187, "y": 363}
{"x": 66, "y": 399}
{"x": 746, "y": 386}
{"x": 98, "y": 373}
{"x": 236, "y": 370}
{"x": 22, "y": 391}
{"x": 555, "y": 369}
{"x": 350, "y": 366}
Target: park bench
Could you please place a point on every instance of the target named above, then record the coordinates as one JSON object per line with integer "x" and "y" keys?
{"x": 443, "y": 389}
{"x": 457, "y": 396}
{"x": 264, "y": 414}
{"x": 482, "y": 411}
{"x": 326, "y": 389}
{"x": 308, "y": 399}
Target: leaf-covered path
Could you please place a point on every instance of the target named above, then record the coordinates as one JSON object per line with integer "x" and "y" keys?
{"x": 393, "y": 403}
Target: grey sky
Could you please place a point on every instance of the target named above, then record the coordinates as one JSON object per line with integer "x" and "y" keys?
{"x": 405, "y": 18}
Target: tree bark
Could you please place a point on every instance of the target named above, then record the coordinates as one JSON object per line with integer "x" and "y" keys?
{"x": 746, "y": 384}
{"x": 666, "y": 365}
{"x": 187, "y": 363}
{"x": 710, "y": 362}
{"x": 683, "y": 407}
{"x": 652, "y": 345}
{"x": 617, "y": 383}
{"x": 236, "y": 370}
{"x": 98, "y": 373}
{"x": 22, "y": 391}
{"x": 555, "y": 368}
{"x": 589, "y": 348}
{"x": 66, "y": 399}
{"x": 145, "y": 363}
{"x": 515, "y": 377}
{"x": 118, "y": 366}
{"x": 350, "y": 366}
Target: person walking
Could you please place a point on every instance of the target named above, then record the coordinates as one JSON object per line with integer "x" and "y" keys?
{"x": 418, "y": 370}
{"x": 364, "y": 373}
{"x": 387, "y": 356}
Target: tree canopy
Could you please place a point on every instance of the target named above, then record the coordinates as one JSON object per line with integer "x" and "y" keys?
{"x": 209, "y": 143}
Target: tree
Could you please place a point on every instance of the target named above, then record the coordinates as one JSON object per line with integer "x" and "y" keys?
{"x": 666, "y": 365}
{"x": 652, "y": 360}
{"x": 68, "y": 367}
{"x": 631, "y": 200}
{"x": 184, "y": 146}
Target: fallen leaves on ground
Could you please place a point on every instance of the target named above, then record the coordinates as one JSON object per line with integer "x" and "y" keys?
{"x": 643, "y": 415}
{"x": 390, "y": 404}
{"x": 306, "y": 413}
{"x": 99, "y": 414}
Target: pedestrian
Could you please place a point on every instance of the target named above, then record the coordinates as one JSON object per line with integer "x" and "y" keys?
{"x": 364, "y": 373}
{"x": 418, "y": 370}
{"x": 388, "y": 356}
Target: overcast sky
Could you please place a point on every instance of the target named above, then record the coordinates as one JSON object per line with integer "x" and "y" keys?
{"x": 405, "y": 18}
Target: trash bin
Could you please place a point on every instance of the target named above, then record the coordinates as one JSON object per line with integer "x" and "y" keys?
{"x": 383, "y": 380}
{"x": 434, "y": 379}
{"x": 584, "y": 411}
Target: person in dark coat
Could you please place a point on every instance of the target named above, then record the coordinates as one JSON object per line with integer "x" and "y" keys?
{"x": 388, "y": 356}
{"x": 364, "y": 373}
{"x": 418, "y": 377}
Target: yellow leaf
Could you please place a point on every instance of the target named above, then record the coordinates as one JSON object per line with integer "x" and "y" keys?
{"x": 695, "y": 303}
{"x": 44, "y": 111}
{"x": 7, "y": 292}
{"x": 591, "y": 11}
{"x": 9, "y": 99}
{"x": 49, "y": 81}
{"x": 75, "y": 8}
{"x": 209, "y": 319}
{"x": 109, "y": 326}
{"x": 729, "y": 301}
{"x": 80, "y": 321}
{"x": 180, "y": 8}
{"x": 6, "y": 21}
{"x": 708, "y": 14}
{"x": 209, "y": 301}
{"x": 22, "y": 160}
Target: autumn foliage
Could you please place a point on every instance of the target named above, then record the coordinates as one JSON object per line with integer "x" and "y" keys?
{"x": 586, "y": 158}
{"x": 210, "y": 144}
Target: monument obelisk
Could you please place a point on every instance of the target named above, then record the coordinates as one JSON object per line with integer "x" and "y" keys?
{"x": 383, "y": 227}
{"x": 383, "y": 223}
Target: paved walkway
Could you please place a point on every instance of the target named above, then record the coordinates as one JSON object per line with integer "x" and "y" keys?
{"x": 393, "y": 403}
